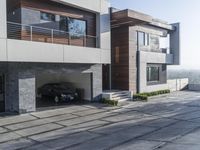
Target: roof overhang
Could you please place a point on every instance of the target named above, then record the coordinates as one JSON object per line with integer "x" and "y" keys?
{"x": 162, "y": 25}
{"x": 131, "y": 18}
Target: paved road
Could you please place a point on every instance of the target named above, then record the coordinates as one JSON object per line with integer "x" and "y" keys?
{"x": 169, "y": 122}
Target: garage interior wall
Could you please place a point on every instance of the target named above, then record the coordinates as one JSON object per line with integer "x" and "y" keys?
{"x": 81, "y": 80}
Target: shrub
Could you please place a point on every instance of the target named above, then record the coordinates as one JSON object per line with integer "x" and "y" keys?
{"x": 144, "y": 96}
{"x": 140, "y": 97}
{"x": 109, "y": 102}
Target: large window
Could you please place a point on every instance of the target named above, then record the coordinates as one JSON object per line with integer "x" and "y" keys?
{"x": 153, "y": 73}
{"x": 64, "y": 24}
{"x": 164, "y": 44}
{"x": 47, "y": 16}
{"x": 75, "y": 27}
{"x": 143, "y": 39}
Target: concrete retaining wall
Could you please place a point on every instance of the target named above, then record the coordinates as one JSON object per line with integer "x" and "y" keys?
{"x": 178, "y": 84}
{"x": 173, "y": 85}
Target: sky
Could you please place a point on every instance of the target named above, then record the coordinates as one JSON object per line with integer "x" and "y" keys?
{"x": 187, "y": 12}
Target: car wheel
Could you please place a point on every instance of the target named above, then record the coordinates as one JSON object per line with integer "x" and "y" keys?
{"x": 56, "y": 99}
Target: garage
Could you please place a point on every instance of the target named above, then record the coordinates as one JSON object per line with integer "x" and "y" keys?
{"x": 80, "y": 82}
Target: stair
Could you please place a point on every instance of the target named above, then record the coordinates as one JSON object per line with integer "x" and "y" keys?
{"x": 119, "y": 96}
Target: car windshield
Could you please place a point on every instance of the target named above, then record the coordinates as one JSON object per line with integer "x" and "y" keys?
{"x": 59, "y": 86}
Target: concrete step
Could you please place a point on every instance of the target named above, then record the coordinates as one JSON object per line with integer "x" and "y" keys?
{"x": 121, "y": 98}
{"x": 120, "y": 92}
{"x": 120, "y": 95}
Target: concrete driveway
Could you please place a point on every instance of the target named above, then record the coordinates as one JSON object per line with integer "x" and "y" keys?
{"x": 169, "y": 122}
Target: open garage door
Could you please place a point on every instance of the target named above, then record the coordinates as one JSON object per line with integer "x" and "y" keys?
{"x": 77, "y": 80}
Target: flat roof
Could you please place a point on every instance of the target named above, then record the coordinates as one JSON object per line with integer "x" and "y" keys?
{"x": 131, "y": 18}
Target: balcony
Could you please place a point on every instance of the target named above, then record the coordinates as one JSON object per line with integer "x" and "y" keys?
{"x": 39, "y": 34}
{"x": 34, "y": 44}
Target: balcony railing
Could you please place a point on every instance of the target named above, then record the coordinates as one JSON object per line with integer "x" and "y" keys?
{"x": 40, "y": 34}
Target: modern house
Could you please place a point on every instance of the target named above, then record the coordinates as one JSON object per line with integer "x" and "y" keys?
{"x": 142, "y": 48}
{"x": 44, "y": 41}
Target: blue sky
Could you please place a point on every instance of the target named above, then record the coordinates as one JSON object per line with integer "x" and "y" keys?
{"x": 184, "y": 11}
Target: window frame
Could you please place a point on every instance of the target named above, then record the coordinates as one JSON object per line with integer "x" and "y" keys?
{"x": 49, "y": 20}
{"x": 149, "y": 74}
{"x": 78, "y": 20}
{"x": 141, "y": 42}
{"x": 145, "y": 40}
{"x": 64, "y": 19}
{"x": 68, "y": 27}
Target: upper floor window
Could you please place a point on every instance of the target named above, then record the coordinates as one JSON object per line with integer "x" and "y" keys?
{"x": 64, "y": 24}
{"x": 143, "y": 39}
{"x": 164, "y": 44}
{"x": 75, "y": 27}
{"x": 146, "y": 39}
{"x": 47, "y": 16}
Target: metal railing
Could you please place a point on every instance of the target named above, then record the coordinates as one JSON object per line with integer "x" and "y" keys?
{"x": 41, "y": 34}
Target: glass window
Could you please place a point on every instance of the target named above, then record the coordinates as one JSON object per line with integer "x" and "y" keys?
{"x": 164, "y": 43}
{"x": 63, "y": 24}
{"x": 164, "y": 67}
{"x": 76, "y": 27}
{"x": 143, "y": 39}
{"x": 47, "y": 16}
{"x": 152, "y": 73}
{"x": 146, "y": 39}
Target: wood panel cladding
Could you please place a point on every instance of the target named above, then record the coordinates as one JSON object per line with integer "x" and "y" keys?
{"x": 120, "y": 51}
{"x": 63, "y": 10}
{"x": 124, "y": 58}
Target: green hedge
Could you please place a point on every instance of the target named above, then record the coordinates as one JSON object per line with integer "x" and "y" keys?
{"x": 144, "y": 96}
{"x": 140, "y": 97}
{"x": 109, "y": 102}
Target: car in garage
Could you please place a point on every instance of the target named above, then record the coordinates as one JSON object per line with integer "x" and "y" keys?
{"x": 59, "y": 92}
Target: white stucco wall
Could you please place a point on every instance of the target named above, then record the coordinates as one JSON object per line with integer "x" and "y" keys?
{"x": 178, "y": 84}
{"x": 172, "y": 85}
{"x": 74, "y": 54}
{"x": 92, "y": 5}
{"x": 154, "y": 57}
{"x": 3, "y": 52}
{"x": 3, "y": 20}
{"x": 105, "y": 33}
{"x": 27, "y": 51}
